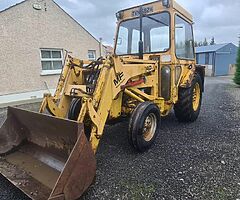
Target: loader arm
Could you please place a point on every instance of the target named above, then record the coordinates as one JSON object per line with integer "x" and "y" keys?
{"x": 112, "y": 78}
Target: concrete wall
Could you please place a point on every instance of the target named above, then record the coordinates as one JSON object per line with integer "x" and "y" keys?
{"x": 23, "y": 31}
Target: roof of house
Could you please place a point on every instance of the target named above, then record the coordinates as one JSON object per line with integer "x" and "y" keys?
{"x": 1, "y": 11}
{"x": 210, "y": 48}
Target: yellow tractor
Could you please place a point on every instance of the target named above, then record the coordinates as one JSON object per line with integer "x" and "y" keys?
{"x": 51, "y": 154}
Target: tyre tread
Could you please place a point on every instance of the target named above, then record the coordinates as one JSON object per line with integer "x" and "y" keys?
{"x": 183, "y": 108}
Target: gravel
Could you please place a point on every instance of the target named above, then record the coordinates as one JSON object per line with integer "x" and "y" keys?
{"x": 188, "y": 161}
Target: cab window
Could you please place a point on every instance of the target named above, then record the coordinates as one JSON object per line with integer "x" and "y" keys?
{"x": 183, "y": 39}
{"x": 155, "y": 34}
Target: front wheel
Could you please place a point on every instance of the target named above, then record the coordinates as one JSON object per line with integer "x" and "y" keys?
{"x": 188, "y": 107}
{"x": 144, "y": 126}
{"x": 73, "y": 114}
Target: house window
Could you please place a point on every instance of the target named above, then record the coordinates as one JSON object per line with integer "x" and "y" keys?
{"x": 51, "y": 60}
{"x": 91, "y": 55}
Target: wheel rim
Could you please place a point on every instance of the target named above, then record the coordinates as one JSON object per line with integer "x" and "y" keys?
{"x": 150, "y": 126}
{"x": 196, "y": 97}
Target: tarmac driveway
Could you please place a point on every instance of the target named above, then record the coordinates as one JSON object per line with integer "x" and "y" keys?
{"x": 188, "y": 161}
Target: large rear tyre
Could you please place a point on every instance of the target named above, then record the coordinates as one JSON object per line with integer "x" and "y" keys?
{"x": 188, "y": 107}
{"x": 73, "y": 114}
{"x": 144, "y": 126}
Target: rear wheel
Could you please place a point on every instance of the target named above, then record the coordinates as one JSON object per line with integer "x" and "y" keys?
{"x": 189, "y": 103}
{"x": 73, "y": 114}
{"x": 144, "y": 126}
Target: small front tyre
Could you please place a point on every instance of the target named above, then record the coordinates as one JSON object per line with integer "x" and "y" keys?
{"x": 144, "y": 126}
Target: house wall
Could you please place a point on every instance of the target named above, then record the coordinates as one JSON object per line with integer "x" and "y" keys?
{"x": 224, "y": 57}
{"x": 23, "y": 31}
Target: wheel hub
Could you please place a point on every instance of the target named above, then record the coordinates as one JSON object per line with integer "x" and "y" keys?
{"x": 149, "y": 128}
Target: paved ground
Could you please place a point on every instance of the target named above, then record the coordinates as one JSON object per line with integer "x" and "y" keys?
{"x": 199, "y": 161}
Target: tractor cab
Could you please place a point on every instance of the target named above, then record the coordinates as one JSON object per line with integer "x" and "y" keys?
{"x": 158, "y": 28}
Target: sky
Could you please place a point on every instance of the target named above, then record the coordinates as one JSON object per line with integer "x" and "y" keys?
{"x": 212, "y": 18}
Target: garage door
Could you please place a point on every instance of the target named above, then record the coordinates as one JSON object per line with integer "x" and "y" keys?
{"x": 222, "y": 64}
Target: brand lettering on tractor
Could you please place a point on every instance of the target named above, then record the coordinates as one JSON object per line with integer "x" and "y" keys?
{"x": 119, "y": 79}
{"x": 145, "y": 10}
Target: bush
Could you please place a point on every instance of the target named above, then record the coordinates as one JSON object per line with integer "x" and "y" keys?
{"x": 237, "y": 74}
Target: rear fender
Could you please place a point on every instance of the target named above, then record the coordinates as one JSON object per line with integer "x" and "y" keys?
{"x": 187, "y": 80}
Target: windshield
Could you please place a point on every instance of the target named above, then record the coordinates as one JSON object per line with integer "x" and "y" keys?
{"x": 156, "y": 34}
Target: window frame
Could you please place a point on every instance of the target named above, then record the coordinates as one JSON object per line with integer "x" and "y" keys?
{"x": 187, "y": 21}
{"x": 149, "y": 53}
{"x": 51, "y": 71}
{"x": 95, "y": 54}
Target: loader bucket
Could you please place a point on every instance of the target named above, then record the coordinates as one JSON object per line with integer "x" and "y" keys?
{"x": 46, "y": 157}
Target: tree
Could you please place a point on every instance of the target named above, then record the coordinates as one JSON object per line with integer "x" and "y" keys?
{"x": 212, "y": 41}
{"x": 205, "y": 42}
{"x": 237, "y": 74}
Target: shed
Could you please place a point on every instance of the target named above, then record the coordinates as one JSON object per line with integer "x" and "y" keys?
{"x": 217, "y": 57}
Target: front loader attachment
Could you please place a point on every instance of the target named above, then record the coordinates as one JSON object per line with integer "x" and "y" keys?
{"x": 46, "y": 157}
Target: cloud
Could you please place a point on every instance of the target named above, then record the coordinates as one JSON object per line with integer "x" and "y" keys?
{"x": 216, "y": 18}
{"x": 98, "y": 17}
{"x": 213, "y": 18}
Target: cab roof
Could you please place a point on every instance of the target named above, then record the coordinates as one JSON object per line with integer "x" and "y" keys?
{"x": 156, "y": 7}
